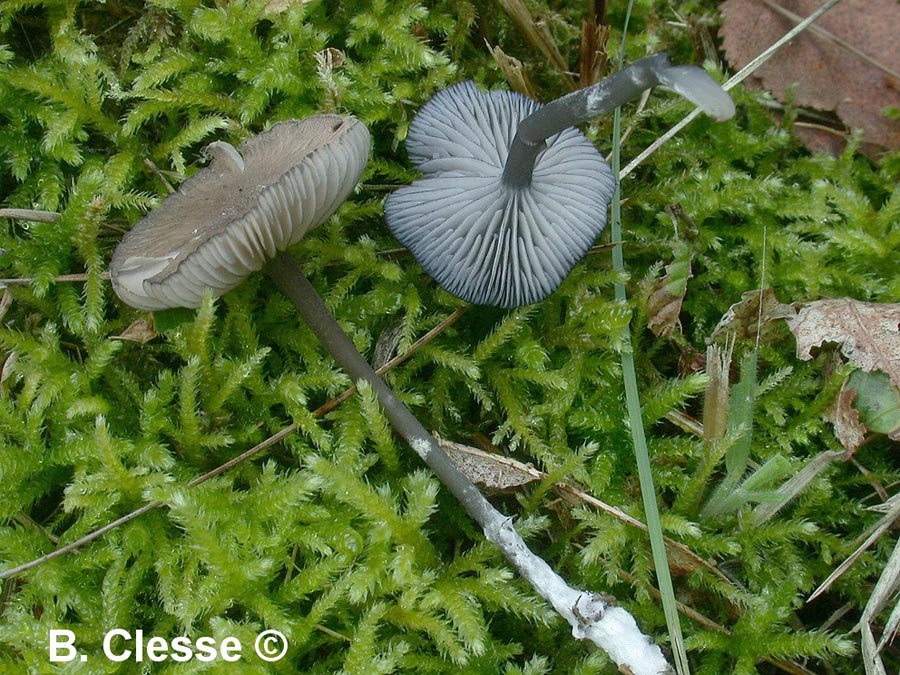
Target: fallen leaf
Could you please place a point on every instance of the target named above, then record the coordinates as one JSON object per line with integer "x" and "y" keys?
{"x": 8, "y": 366}
{"x": 667, "y": 294}
{"x": 816, "y": 71}
{"x": 848, "y": 428}
{"x": 718, "y": 389}
{"x": 5, "y": 303}
{"x": 489, "y": 469}
{"x": 387, "y": 344}
{"x": 141, "y": 331}
{"x": 745, "y": 318}
{"x": 279, "y": 6}
{"x": 868, "y": 333}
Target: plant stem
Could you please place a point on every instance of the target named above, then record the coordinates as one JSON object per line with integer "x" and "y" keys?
{"x": 576, "y": 108}
{"x": 590, "y": 615}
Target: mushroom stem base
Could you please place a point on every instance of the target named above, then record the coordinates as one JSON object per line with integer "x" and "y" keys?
{"x": 610, "y": 628}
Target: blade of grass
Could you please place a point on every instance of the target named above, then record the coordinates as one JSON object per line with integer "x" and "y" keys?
{"x": 635, "y": 418}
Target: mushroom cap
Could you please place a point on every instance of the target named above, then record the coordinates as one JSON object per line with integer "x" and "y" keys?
{"x": 227, "y": 219}
{"x": 484, "y": 241}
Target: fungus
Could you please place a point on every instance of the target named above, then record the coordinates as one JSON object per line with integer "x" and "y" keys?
{"x": 238, "y": 215}
{"x": 229, "y": 218}
{"x": 512, "y": 195}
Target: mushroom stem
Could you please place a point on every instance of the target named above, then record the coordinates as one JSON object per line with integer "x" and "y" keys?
{"x": 591, "y": 616}
{"x": 580, "y": 106}
{"x": 294, "y": 284}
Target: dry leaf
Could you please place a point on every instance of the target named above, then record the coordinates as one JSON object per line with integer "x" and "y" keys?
{"x": 387, "y": 345}
{"x": 489, "y": 469}
{"x": 745, "y": 318}
{"x": 5, "y": 303}
{"x": 815, "y": 71}
{"x": 141, "y": 331}
{"x": 279, "y": 6}
{"x": 868, "y": 333}
{"x": 8, "y": 365}
{"x": 667, "y": 295}
{"x": 848, "y": 428}
{"x": 718, "y": 389}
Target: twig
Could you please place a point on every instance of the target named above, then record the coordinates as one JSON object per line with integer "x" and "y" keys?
{"x": 159, "y": 174}
{"x": 736, "y": 79}
{"x": 243, "y": 457}
{"x": 30, "y": 214}
{"x": 24, "y": 281}
{"x": 78, "y": 543}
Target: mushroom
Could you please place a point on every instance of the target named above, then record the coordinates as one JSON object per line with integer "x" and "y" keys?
{"x": 229, "y": 218}
{"x": 240, "y": 214}
{"x": 512, "y": 195}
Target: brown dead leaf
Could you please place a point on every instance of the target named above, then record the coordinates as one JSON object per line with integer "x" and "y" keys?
{"x": 388, "y": 344}
{"x": 666, "y": 298}
{"x": 8, "y": 365}
{"x": 667, "y": 293}
{"x": 848, "y": 428}
{"x": 141, "y": 331}
{"x": 279, "y": 6}
{"x": 816, "y": 70}
{"x": 743, "y": 319}
{"x": 489, "y": 469}
{"x": 868, "y": 333}
{"x": 5, "y": 303}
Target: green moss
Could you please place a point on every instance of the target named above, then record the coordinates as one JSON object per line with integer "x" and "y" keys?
{"x": 336, "y": 536}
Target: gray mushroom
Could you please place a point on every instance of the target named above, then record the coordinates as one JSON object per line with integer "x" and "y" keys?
{"x": 229, "y": 218}
{"x": 512, "y": 195}
{"x": 239, "y": 214}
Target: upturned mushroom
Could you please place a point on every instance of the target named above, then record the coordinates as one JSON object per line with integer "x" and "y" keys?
{"x": 513, "y": 196}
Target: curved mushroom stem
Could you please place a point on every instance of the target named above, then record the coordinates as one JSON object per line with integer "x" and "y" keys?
{"x": 591, "y": 616}
{"x": 580, "y": 106}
